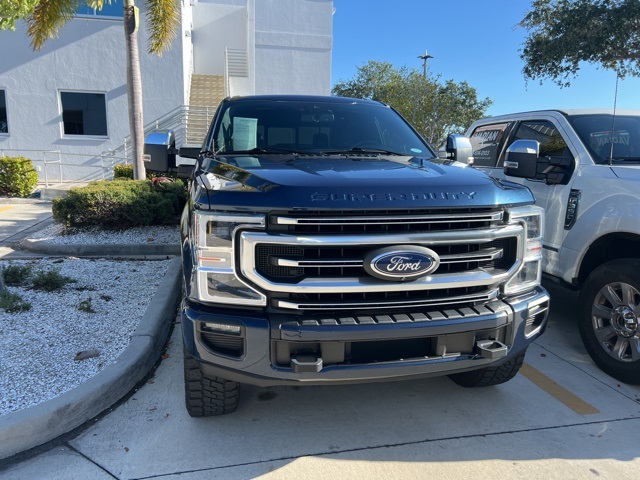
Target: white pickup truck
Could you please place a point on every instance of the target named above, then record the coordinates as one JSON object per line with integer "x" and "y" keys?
{"x": 583, "y": 166}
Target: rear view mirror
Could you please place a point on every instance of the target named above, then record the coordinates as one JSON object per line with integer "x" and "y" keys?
{"x": 521, "y": 159}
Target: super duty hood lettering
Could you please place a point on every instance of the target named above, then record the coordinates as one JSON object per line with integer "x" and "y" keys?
{"x": 375, "y": 197}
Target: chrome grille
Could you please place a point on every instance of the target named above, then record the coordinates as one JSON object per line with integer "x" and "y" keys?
{"x": 460, "y": 297}
{"x": 287, "y": 263}
{"x": 354, "y": 222}
{"x": 314, "y": 261}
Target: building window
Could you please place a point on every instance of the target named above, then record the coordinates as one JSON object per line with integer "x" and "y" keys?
{"x": 84, "y": 113}
{"x": 4, "y": 123}
{"x": 113, "y": 9}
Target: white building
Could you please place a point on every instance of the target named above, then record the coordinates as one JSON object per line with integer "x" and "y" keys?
{"x": 67, "y": 103}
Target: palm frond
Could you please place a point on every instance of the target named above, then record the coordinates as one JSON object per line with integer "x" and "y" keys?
{"x": 48, "y": 18}
{"x": 163, "y": 19}
{"x": 97, "y": 4}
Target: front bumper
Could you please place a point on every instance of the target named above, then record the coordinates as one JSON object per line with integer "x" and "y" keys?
{"x": 269, "y": 349}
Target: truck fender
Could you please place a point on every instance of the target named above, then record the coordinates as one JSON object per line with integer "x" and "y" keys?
{"x": 613, "y": 217}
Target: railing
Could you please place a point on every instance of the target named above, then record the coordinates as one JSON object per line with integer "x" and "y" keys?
{"x": 54, "y": 166}
{"x": 189, "y": 124}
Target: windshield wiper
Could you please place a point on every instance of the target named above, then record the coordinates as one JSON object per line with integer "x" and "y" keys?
{"x": 264, "y": 151}
{"x": 360, "y": 150}
{"x": 622, "y": 159}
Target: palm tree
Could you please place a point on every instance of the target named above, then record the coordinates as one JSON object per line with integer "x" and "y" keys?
{"x": 45, "y": 18}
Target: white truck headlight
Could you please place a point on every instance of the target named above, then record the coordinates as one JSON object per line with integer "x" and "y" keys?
{"x": 529, "y": 274}
{"x": 215, "y": 274}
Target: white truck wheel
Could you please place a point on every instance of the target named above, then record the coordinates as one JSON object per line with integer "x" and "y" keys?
{"x": 608, "y": 321}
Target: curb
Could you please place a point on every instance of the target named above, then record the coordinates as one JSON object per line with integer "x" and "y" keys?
{"x": 82, "y": 250}
{"x": 21, "y": 201}
{"x": 33, "y": 426}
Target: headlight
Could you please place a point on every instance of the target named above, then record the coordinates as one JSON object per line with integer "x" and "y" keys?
{"x": 530, "y": 273}
{"x": 215, "y": 275}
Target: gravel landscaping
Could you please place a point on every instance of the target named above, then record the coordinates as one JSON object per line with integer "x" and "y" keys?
{"x": 67, "y": 336}
{"x": 59, "y": 235}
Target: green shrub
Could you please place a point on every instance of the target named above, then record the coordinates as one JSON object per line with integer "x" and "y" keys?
{"x": 122, "y": 171}
{"x": 16, "y": 275}
{"x": 12, "y": 302}
{"x": 50, "y": 281}
{"x": 86, "y": 306}
{"x": 121, "y": 204}
{"x": 18, "y": 178}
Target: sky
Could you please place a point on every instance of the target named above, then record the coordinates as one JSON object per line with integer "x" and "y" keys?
{"x": 473, "y": 40}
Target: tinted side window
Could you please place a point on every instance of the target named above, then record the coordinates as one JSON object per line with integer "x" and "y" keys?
{"x": 487, "y": 141}
{"x": 4, "y": 126}
{"x": 556, "y": 162}
{"x": 551, "y": 142}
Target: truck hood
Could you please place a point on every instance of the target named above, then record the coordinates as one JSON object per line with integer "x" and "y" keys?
{"x": 353, "y": 181}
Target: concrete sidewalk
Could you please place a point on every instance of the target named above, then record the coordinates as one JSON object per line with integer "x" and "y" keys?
{"x": 18, "y": 219}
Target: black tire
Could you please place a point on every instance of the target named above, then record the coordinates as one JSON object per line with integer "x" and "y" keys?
{"x": 608, "y": 320}
{"x": 207, "y": 396}
{"x": 488, "y": 376}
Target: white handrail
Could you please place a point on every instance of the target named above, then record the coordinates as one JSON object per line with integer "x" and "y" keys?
{"x": 190, "y": 125}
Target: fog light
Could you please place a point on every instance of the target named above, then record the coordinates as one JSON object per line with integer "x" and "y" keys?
{"x": 536, "y": 314}
{"x": 222, "y": 328}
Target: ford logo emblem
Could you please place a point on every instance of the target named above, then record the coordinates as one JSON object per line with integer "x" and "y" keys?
{"x": 402, "y": 262}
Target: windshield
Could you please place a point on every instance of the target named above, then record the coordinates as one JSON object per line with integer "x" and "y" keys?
{"x": 609, "y": 142}
{"x": 305, "y": 127}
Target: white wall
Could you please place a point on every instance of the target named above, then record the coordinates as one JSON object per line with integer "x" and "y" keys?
{"x": 89, "y": 55}
{"x": 288, "y": 43}
{"x": 293, "y": 41}
{"x": 214, "y": 28}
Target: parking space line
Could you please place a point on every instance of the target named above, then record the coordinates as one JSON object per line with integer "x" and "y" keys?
{"x": 558, "y": 392}
{"x": 4, "y": 209}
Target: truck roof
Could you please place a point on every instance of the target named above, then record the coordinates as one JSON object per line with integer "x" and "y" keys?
{"x": 570, "y": 112}
{"x": 303, "y": 98}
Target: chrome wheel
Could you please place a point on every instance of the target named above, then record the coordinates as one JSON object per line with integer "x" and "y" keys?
{"x": 614, "y": 317}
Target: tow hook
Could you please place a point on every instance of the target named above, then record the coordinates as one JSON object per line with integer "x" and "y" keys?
{"x": 491, "y": 349}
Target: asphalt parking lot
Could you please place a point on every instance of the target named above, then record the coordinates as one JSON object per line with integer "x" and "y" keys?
{"x": 560, "y": 418}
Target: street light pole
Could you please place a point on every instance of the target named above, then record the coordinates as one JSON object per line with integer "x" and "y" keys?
{"x": 424, "y": 62}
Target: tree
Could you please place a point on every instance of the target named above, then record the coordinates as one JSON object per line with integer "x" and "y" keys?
{"x": 45, "y": 18}
{"x": 564, "y": 33}
{"x": 432, "y": 107}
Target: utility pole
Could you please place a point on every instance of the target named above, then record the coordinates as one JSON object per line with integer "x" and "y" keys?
{"x": 424, "y": 62}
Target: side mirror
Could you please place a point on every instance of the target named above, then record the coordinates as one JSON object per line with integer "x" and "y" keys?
{"x": 159, "y": 151}
{"x": 521, "y": 159}
{"x": 460, "y": 149}
{"x": 189, "y": 152}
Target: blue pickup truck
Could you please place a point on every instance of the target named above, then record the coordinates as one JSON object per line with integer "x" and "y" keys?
{"x": 326, "y": 242}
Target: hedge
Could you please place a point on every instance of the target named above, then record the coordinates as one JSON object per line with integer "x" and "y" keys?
{"x": 18, "y": 178}
{"x": 121, "y": 204}
{"x": 123, "y": 171}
